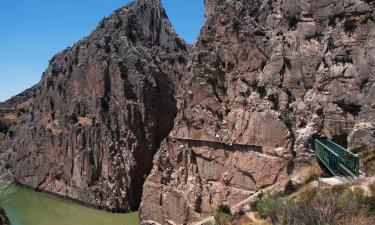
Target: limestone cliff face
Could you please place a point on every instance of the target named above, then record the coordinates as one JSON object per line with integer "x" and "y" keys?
{"x": 99, "y": 113}
{"x": 12, "y": 111}
{"x": 264, "y": 79}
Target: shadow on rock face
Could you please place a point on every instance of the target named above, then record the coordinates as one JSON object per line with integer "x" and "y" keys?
{"x": 3, "y": 218}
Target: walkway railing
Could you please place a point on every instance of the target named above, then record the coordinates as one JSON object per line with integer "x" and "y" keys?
{"x": 337, "y": 159}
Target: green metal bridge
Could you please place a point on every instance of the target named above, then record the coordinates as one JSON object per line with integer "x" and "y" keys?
{"x": 337, "y": 159}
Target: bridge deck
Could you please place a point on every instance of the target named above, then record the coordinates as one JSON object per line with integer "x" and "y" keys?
{"x": 337, "y": 159}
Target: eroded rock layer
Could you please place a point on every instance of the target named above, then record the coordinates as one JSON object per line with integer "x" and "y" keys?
{"x": 264, "y": 79}
{"x": 100, "y": 111}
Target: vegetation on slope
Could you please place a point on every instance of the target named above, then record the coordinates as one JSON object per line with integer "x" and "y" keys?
{"x": 337, "y": 205}
{"x": 367, "y": 160}
{"x": 224, "y": 216}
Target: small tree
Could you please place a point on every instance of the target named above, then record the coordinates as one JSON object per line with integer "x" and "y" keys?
{"x": 223, "y": 215}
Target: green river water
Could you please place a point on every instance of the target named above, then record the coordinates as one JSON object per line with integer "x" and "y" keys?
{"x": 26, "y": 207}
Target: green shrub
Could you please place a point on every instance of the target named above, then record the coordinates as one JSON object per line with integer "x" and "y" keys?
{"x": 312, "y": 177}
{"x": 270, "y": 206}
{"x": 367, "y": 159}
{"x": 223, "y": 215}
{"x": 266, "y": 206}
{"x": 224, "y": 209}
{"x": 338, "y": 205}
{"x": 290, "y": 188}
{"x": 331, "y": 206}
{"x": 254, "y": 206}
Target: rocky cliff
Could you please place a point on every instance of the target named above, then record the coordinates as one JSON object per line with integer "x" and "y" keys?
{"x": 99, "y": 113}
{"x": 208, "y": 124}
{"x": 3, "y": 218}
{"x": 12, "y": 111}
{"x": 264, "y": 79}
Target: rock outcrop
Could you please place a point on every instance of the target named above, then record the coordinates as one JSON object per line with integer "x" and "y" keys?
{"x": 264, "y": 79}
{"x": 12, "y": 111}
{"x": 3, "y": 218}
{"x": 208, "y": 124}
{"x": 99, "y": 113}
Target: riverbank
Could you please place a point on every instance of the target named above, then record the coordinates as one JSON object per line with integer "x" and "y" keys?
{"x": 3, "y": 217}
{"x": 28, "y": 207}
{"x": 72, "y": 200}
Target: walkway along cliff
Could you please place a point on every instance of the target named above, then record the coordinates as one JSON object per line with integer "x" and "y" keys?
{"x": 271, "y": 74}
{"x": 205, "y": 124}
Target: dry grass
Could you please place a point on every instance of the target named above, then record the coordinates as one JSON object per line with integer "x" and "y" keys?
{"x": 336, "y": 205}
{"x": 361, "y": 219}
{"x": 244, "y": 220}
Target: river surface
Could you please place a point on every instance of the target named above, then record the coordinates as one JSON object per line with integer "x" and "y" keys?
{"x": 27, "y": 207}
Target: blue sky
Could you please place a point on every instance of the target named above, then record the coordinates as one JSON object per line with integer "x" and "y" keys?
{"x": 32, "y": 31}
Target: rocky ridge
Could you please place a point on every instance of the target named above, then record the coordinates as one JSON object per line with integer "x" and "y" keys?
{"x": 265, "y": 79}
{"x": 99, "y": 113}
{"x": 221, "y": 120}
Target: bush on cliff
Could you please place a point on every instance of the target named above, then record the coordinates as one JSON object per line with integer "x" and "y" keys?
{"x": 223, "y": 215}
{"x": 367, "y": 159}
{"x": 338, "y": 205}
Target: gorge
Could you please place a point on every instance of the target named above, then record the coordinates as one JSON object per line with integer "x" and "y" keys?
{"x": 131, "y": 117}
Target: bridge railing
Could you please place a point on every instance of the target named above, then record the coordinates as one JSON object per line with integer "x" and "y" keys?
{"x": 329, "y": 158}
{"x": 348, "y": 159}
{"x": 347, "y": 162}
